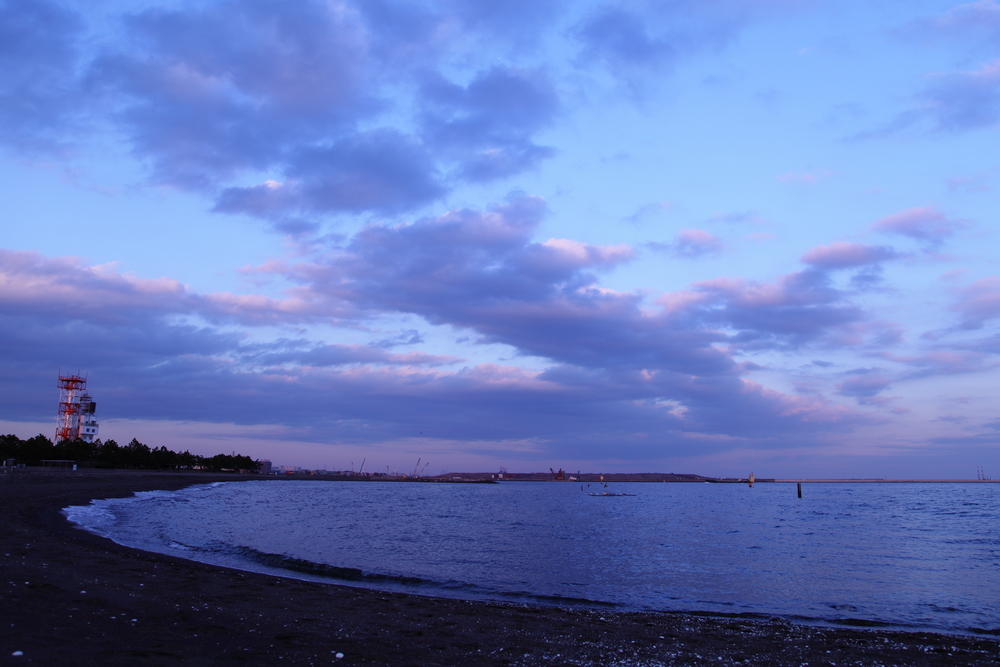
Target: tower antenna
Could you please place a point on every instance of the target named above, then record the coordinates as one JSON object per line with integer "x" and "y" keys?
{"x": 75, "y": 418}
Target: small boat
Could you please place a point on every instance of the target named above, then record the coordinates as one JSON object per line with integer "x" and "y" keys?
{"x": 608, "y": 493}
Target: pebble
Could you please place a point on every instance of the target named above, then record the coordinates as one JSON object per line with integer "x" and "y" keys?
{"x": 18, "y": 653}
{"x": 339, "y": 656}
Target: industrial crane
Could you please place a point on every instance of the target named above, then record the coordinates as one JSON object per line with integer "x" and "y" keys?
{"x": 417, "y": 470}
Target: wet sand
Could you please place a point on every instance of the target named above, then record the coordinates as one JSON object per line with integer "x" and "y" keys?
{"x": 71, "y": 598}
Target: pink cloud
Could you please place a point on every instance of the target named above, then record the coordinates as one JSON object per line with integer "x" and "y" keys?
{"x": 842, "y": 255}
{"x": 979, "y": 302}
{"x": 809, "y": 408}
{"x": 953, "y": 275}
{"x": 31, "y": 282}
{"x": 584, "y": 254}
{"x": 308, "y": 356}
{"x": 611, "y": 359}
{"x": 794, "y": 310}
{"x": 926, "y": 224}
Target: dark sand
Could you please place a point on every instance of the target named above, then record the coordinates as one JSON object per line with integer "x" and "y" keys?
{"x": 149, "y": 609}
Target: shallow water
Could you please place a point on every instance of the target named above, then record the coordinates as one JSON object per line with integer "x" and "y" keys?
{"x": 907, "y": 555}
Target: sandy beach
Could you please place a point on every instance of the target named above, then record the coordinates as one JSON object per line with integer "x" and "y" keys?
{"x": 73, "y": 598}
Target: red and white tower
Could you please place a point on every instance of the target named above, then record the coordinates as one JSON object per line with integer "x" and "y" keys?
{"x": 76, "y": 410}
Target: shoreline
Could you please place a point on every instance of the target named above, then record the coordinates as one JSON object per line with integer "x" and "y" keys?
{"x": 159, "y": 609}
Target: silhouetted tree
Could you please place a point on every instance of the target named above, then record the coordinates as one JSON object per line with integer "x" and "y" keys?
{"x": 33, "y": 450}
{"x": 109, "y": 454}
{"x": 75, "y": 450}
{"x": 136, "y": 454}
{"x": 10, "y": 447}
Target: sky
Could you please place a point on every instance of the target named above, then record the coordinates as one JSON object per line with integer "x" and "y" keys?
{"x": 712, "y": 236}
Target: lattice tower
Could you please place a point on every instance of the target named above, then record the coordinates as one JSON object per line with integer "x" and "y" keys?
{"x": 71, "y": 387}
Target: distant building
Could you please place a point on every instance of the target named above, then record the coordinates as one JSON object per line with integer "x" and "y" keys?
{"x": 265, "y": 467}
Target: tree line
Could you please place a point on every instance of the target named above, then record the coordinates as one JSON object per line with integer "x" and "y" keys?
{"x": 109, "y": 454}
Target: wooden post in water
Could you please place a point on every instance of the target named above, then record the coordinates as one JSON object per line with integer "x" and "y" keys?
{"x": 799, "y": 484}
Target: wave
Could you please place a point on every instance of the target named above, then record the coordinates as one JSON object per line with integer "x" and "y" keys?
{"x": 640, "y": 573}
{"x": 356, "y": 576}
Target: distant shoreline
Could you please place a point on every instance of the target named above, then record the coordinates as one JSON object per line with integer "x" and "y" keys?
{"x": 885, "y": 481}
{"x": 486, "y": 477}
{"x": 71, "y": 597}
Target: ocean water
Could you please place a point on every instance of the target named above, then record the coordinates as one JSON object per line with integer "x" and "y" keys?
{"x": 918, "y": 556}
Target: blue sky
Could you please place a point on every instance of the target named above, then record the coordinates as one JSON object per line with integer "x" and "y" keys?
{"x": 713, "y": 236}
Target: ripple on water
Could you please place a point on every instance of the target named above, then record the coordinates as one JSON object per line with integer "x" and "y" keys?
{"x": 904, "y": 555}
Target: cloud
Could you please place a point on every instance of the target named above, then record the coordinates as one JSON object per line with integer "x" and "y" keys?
{"x": 978, "y": 182}
{"x": 967, "y": 22}
{"x": 620, "y": 38}
{"x": 979, "y": 302}
{"x": 614, "y": 367}
{"x": 520, "y": 21}
{"x": 344, "y": 106}
{"x": 796, "y": 310}
{"x": 742, "y": 217}
{"x": 956, "y": 101}
{"x": 843, "y": 255}
{"x": 865, "y": 387}
{"x": 689, "y": 243}
{"x": 481, "y": 271}
{"x": 304, "y": 353}
{"x": 925, "y": 224}
{"x": 944, "y": 361}
{"x": 381, "y": 171}
{"x": 37, "y": 286}
{"x": 949, "y": 102}
{"x": 407, "y": 337}
{"x": 210, "y": 93}
{"x": 337, "y": 398}
{"x": 652, "y": 36}
{"x": 487, "y": 126}
{"x": 646, "y": 211}
{"x": 39, "y": 44}
{"x": 961, "y": 101}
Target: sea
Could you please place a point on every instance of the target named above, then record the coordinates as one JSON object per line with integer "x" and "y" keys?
{"x": 904, "y": 556}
